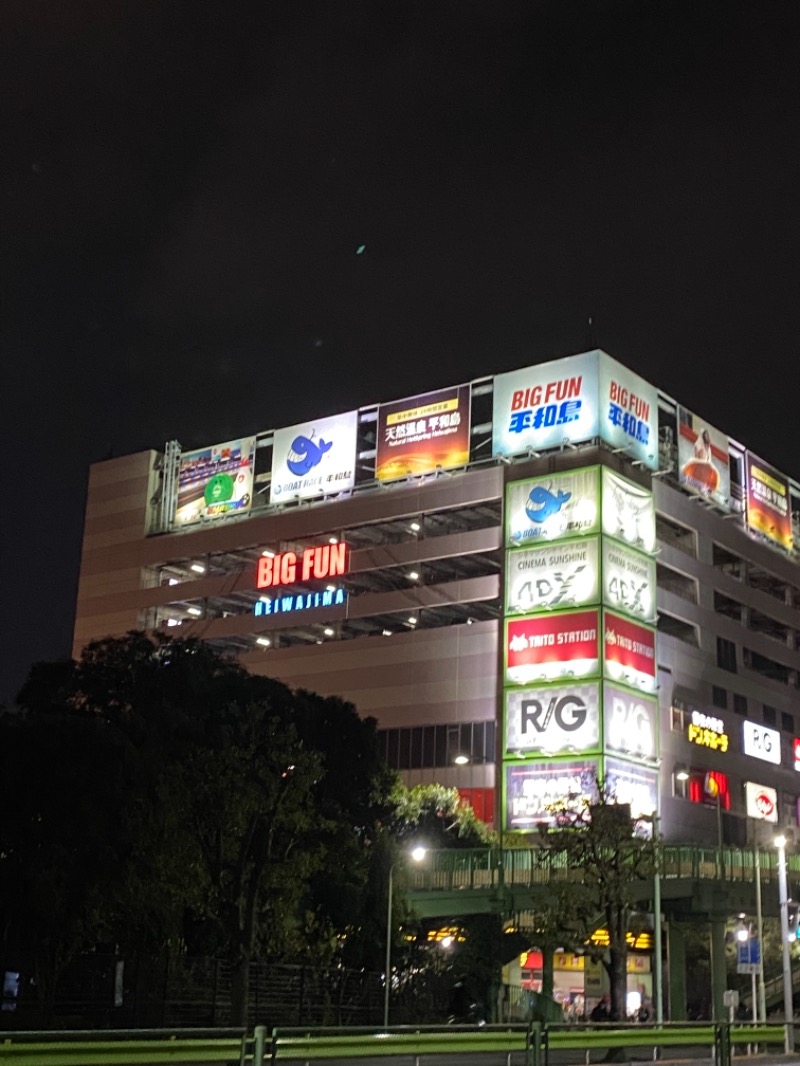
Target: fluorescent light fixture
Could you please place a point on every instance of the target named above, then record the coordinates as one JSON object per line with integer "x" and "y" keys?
{"x": 387, "y": 633}
{"x": 194, "y": 611}
{"x": 173, "y": 581}
{"x": 265, "y": 642}
{"x": 198, "y": 568}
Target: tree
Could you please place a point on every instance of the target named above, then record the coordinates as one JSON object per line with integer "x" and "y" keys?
{"x": 241, "y": 816}
{"x": 611, "y": 851}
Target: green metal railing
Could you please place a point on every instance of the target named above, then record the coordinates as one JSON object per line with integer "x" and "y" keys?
{"x": 535, "y": 1042}
{"x": 485, "y": 868}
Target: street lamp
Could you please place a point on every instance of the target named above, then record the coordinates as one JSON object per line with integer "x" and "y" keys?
{"x": 417, "y": 854}
{"x": 783, "y": 895}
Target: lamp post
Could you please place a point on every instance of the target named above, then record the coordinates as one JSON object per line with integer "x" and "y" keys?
{"x": 783, "y": 895}
{"x": 417, "y": 854}
{"x": 762, "y": 994}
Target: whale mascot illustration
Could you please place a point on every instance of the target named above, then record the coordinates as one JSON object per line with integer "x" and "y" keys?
{"x": 305, "y": 453}
{"x": 542, "y": 503}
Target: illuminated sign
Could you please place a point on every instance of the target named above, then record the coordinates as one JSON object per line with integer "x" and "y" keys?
{"x": 629, "y": 652}
{"x": 634, "y": 785}
{"x": 215, "y": 481}
{"x": 707, "y": 731}
{"x": 629, "y": 581}
{"x": 417, "y": 435}
{"x": 552, "y": 575}
{"x": 768, "y": 502}
{"x": 299, "y": 601}
{"x": 628, "y": 412}
{"x": 761, "y": 743}
{"x": 796, "y": 753}
{"x": 314, "y": 458}
{"x": 533, "y": 790}
{"x": 628, "y": 512}
{"x": 630, "y": 722}
{"x": 312, "y": 564}
{"x": 552, "y": 719}
{"x": 709, "y": 787}
{"x": 552, "y": 507}
{"x": 703, "y": 461}
{"x": 543, "y": 406}
{"x": 761, "y": 802}
{"x": 552, "y": 646}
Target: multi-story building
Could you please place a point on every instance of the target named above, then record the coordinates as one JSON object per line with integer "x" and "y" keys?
{"x": 527, "y": 580}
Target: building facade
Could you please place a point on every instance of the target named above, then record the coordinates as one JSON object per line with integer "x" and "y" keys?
{"x": 528, "y": 580}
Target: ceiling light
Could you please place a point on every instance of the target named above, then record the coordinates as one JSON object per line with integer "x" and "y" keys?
{"x": 387, "y": 633}
{"x": 268, "y": 554}
{"x": 414, "y": 527}
{"x": 173, "y": 621}
{"x": 173, "y": 581}
{"x": 198, "y": 568}
{"x": 263, "y": 641}
{"x": 330, "y": 588}
{"x": 195, "y": 611}
{"x": 328, "y": 631}
{"x": 461, "y": 760}
{"x": 413, "y": 575}
{"x": 412, "y": 621}
{"x": 333, "y": 540}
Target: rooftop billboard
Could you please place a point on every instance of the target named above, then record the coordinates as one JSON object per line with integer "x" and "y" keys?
{"x": 769, "y": 509}
{"x": 423, "y": 433}
{"x": 703, "y": 461}
{"x": 314, "y": 458}
{"x": 215, "y": 481}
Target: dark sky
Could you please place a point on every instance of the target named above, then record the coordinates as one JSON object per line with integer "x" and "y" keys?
{"x": 185, "y": 184}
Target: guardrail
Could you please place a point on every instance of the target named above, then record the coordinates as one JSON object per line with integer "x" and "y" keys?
{"x": 534, "y": 1042}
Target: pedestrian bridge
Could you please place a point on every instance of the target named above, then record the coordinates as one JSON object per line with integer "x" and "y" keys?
{"x": 694, "y": 880}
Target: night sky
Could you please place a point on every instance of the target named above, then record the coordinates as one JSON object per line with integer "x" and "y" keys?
{"x": 186, "y": 183}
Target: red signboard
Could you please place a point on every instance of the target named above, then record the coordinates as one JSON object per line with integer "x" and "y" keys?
{"x": 549, "y": 646}
{"x": 630, "y": 652}
{"x": 313, "y": 564}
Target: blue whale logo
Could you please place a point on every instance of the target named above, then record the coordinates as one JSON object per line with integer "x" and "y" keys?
{"x": 542, "y": 503}
{"x": 304, "y": 454}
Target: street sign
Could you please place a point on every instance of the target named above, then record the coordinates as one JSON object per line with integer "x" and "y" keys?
{"x": 749, "y": 956}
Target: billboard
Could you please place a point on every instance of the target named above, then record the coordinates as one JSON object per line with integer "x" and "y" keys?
{"x": 417, "y": 435}
{"x": 629, "y": 652}
{"x": 215, "y": 481}
{"x": 628, "y": 412}
{"x": 552, "y": 646}
{"x": 551, "y": 507}
{"x": 628, "y": 512}
{"x": 314, "y": 458}
{"x": 761, "y": 742}
{"x": 629, "y": 581}
{"x": 760, "y": 802}
{"x": 769, "y": 509}
{"x": 548, "y": 576}
{"x": 552, "y": 720}
{"x": 634, "y": 785}
{"x": 703, "y": 462}
{"x": 545, "y": 406}
{"x": 630, "y": 722}
{"x": 533, "y": 789}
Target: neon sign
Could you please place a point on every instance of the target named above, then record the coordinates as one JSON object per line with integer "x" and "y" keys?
{"x": 708, "y": 732}
{"x": 313, "y": 564}
{"x": 300, "y": 601}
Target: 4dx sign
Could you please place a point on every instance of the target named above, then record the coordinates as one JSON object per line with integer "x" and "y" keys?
{"x": 629, "y": 580}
